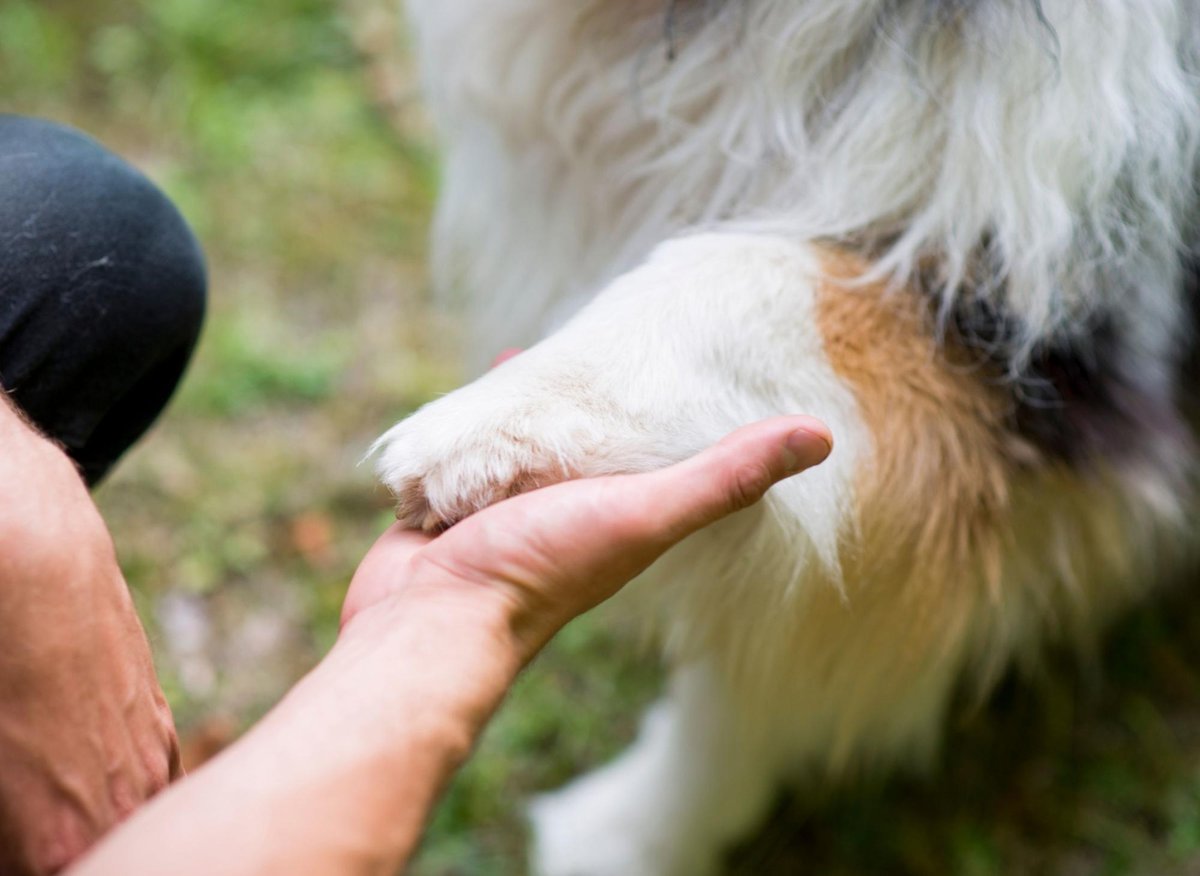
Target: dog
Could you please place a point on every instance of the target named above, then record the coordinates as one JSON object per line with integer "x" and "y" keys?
{"x": 959, "y": 231}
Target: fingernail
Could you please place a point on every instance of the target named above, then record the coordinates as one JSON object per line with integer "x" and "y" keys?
{"x": 805, "y": 449}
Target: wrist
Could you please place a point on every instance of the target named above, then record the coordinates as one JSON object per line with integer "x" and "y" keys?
{"x": 462, "y": 643}
{"x": 394, "y": 709}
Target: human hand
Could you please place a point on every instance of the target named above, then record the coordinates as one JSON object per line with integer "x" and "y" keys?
{"x": 552, "y": 554}
{"x": 345, "y": 770}
{"x": 85, "y": 732}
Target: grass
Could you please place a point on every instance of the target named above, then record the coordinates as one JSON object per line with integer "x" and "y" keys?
{"x": 289, "y": 133}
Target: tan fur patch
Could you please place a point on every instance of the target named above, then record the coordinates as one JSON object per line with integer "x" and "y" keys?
{"x": 950, "y": 499}
{"x": 935, "y": 490}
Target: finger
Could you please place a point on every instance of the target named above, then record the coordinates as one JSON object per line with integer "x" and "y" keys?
{"x": 619, "y": 525}
{"x": 736, "y": 472}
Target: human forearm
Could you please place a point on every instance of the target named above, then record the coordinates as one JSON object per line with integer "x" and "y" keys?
{"x": 339, "y": 777}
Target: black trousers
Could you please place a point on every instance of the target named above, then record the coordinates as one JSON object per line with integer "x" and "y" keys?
{"x": 102, "y": 291}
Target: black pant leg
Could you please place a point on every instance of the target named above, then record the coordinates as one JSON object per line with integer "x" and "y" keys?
{"x": 102, "y": 291}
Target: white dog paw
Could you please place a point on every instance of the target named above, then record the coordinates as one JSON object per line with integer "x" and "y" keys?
{"x": 512, "y": 431}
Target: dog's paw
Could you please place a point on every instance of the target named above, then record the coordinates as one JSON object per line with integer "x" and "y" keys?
{"x": 510, "y": 432}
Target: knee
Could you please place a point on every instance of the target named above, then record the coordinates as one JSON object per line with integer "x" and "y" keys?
{"x": 95, "y": 240}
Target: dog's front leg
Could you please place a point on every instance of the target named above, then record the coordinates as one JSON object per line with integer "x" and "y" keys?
{"x": 713, "y": 331}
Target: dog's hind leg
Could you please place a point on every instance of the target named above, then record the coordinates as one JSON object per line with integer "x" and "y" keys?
{"x": 699, "y": 776}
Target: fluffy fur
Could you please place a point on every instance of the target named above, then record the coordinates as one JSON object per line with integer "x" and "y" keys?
{"x": 955, "y": 229}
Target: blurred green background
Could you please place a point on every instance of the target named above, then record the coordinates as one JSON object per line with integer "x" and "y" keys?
{"x": 291, "y": 135}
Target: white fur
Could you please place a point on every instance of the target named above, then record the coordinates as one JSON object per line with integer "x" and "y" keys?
{"x": 575, "y": 148}
{"x": 573, "y": 145}
{"x": 690, "y": 784}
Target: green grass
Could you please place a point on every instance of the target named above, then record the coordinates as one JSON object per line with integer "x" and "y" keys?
{"x": 241, "y": 517}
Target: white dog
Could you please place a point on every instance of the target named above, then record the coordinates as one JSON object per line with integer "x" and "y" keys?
{"x": 953, "y": 229}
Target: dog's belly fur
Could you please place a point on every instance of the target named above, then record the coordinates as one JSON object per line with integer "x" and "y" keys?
{"x": 955, "y": 230}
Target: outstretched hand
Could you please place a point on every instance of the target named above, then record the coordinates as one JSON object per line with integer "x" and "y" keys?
{"x": 340, "y": 776}
{"x": 554, "y": 553}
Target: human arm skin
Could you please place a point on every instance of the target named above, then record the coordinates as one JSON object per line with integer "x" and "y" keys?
{"x": 341, "y": 776}
{"x": 85, "y": 732}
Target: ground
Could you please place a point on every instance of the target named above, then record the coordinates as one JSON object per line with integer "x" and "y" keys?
{"x": 290, "y": 134}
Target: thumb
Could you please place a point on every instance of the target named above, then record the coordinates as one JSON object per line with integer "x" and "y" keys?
{"x": 737, "y": 471}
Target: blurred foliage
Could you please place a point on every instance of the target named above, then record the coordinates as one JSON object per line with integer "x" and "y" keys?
{"x": 241, "y": 517}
